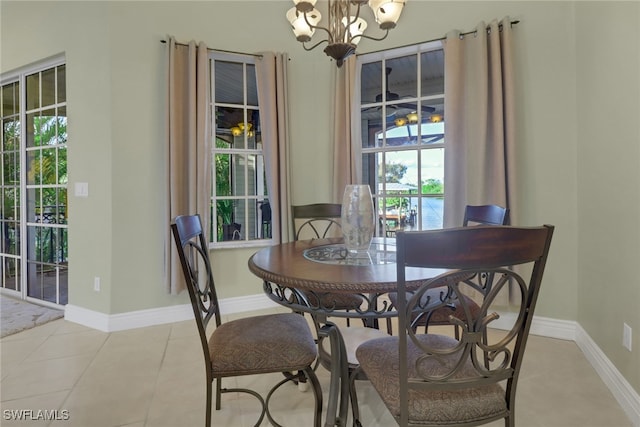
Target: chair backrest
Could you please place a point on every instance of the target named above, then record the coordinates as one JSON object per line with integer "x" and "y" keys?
{"x": 316, "y": 221}
{"x": 486, "y": 214}
{"x": 196, "y": 266}
{"x": 485, "y": 260}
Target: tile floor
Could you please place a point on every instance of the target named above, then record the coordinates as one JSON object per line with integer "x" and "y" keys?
{"x": 153, "y": 377}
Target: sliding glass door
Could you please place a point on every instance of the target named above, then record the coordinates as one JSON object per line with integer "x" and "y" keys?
{"x": 34, "y": 249}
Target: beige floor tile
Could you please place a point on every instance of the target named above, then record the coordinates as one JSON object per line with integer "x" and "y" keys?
{"x": 72, "y": 344}
{"x": 139, "y": 336}
{"x": 41, "y": 331}
{"x": 183, "y": 329}
{"x": 67, "y": 327}
{"x": 186, "y": 349}
{"x": 154, "y": 377}
{"x": 110, "y": 404}
{"x": 41, "y": 377}
{"x": 117, "y": 362}
{"x": 15, "y": 351}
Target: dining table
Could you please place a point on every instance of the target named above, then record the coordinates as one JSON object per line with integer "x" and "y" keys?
{"x": 298, "y": 274}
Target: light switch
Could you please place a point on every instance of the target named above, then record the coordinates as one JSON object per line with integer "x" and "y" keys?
{"x": 82, "y": 189}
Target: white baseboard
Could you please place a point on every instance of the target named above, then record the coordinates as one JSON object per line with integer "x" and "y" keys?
{"x": 130, "y": 320}
{"x": 158, "y": 316}
{"x": 626, "y": 396}
{"x": 543, "y": 326}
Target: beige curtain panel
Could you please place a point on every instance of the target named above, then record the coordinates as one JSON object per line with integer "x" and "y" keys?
{"x": 345, "y": 132}
{"x": 480, "y": 123}
{"x": 480, "y": 120}
{"x": 271, "y": 73}
{"x": 188, "y": 182}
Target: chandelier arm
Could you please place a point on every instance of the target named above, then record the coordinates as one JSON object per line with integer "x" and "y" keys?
{"x": 371, "y": 38}
{"x": 355, "y": 17}
{"x": 316, "y": 27}
{"x": 314, "y": 46}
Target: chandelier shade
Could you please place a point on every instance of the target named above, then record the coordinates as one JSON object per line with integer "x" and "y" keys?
{"x": 303, "y": 24}
{"x": 387, "y": 12}
{"x": 346, "y": 26}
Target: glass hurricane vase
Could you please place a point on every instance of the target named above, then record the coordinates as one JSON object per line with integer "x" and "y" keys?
{"x": 358, "y": 217}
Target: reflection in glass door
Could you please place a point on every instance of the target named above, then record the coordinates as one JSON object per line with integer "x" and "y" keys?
{"x": 10, "y": 187}
{"x": 35, "y": 238}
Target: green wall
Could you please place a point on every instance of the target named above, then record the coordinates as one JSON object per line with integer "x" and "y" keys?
{"x": 608, "y": 106}
{"x": 567, "y": 118}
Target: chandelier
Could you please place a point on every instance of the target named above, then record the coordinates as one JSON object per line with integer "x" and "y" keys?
{"x": 345, "y": 27}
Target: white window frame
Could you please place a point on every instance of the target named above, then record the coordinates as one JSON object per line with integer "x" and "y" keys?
{"x": 381, "y": 191}
{"x": 246, "y": 240}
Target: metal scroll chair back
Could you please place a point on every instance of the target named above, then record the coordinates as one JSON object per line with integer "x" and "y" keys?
{"x": 485, "y": 214}
{"x": 442, "y": 380}
{"x": 316, "y": 221}
{"x": 473, "y": 215}
{"x": 247, "y": 346}
{"x": 194, "y": 258}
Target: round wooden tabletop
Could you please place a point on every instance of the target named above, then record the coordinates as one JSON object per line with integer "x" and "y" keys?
{"x": 286, "y": 265}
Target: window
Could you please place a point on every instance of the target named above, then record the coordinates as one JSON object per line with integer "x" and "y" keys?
{"x": 33, "y": 183}
{"x": 402, "y": 130}
{"x": 240, "y": 209}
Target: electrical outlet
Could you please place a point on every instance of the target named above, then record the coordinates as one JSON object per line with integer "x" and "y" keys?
{"x": 626, "y": 336}
{"x": 96, "y": 284}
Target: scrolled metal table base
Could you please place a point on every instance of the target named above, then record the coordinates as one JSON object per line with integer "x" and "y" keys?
{"x": 371, "y": 311}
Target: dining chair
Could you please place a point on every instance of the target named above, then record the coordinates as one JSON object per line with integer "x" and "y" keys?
{"x": 473, "y": 215}
{"x": 321, "y": 220}
{"x": 316, "y": 221}
{"x": 254, "y": 345}
{"x": 434, "y": 379}
{"x": 485, "y": 215}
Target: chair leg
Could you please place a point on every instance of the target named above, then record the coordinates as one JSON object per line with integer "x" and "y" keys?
{"x": 355, "y": 410}
{"x": 218, "y": 393}
{"x": 353, "y": 394}
{"x": 317, "y": 392}
{"x": 209, "y": 398}
{"x": 509, "y": 420}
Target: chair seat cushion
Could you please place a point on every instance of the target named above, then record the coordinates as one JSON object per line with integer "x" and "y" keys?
{"x": 379, "y": 359}
{"x": 262, "y": 344}
{"x": 440, "y": 316}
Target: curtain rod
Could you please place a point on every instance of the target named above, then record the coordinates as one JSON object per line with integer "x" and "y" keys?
{"x": 257, "y": 55}
{"x": 512, "y": 23}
